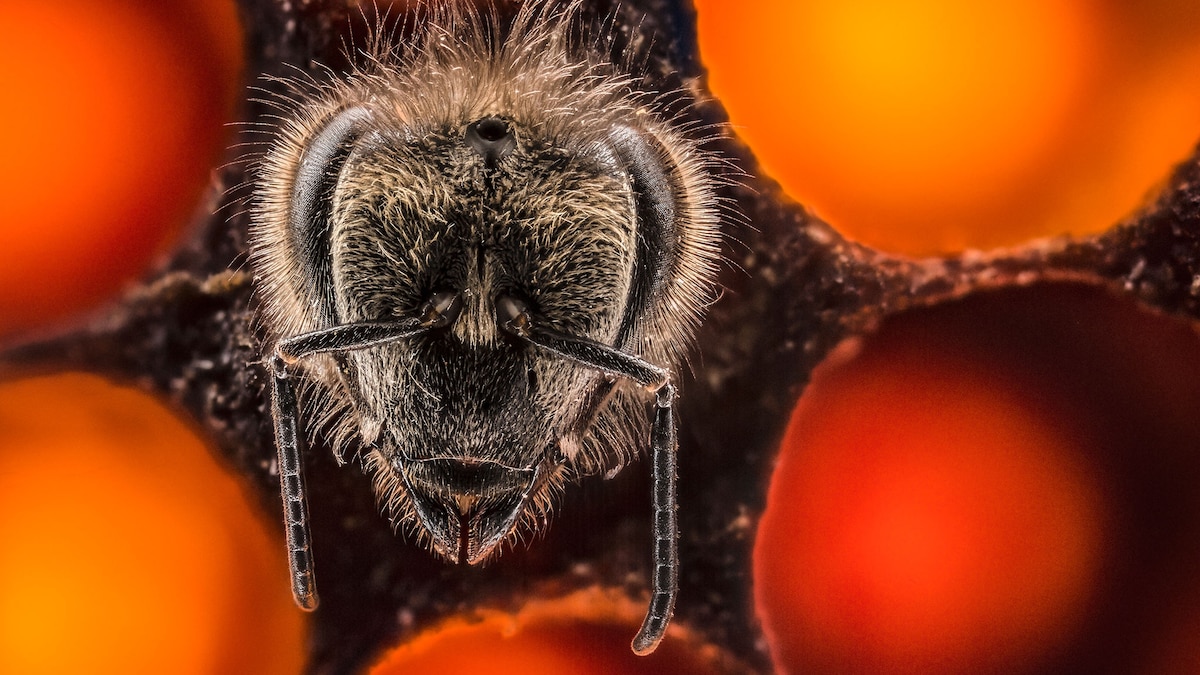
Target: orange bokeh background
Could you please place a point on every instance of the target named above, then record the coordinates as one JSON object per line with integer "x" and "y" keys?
{"x": 113, "y": 118}
{"x": 585, "y": 633}
{"x": 916, "y": 127}
{"x": 925, "y": 517}
{"x": 986, "y": 487}
{"x": 124, "y": 548}
{"x": 937, "y": 125}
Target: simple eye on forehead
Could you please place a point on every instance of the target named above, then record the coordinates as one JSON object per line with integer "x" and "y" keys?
{"x": 491, "y": 137}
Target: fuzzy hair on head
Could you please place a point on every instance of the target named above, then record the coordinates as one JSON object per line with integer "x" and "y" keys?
{"x": 407, "y": 210}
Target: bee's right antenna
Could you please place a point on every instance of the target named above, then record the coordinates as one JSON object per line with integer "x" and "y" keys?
{"x": 514, "y": 317}
{"x": 664, "y": 442}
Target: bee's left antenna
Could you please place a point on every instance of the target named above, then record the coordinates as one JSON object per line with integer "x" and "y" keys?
{"x": 292, "y": 486}
{"x": 438, "y": 311}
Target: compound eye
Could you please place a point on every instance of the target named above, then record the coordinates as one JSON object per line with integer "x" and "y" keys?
{"x": 441, "y": 309}
{"x": 492, "y": 138}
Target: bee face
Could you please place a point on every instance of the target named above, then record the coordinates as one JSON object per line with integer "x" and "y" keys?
{"x": 481, "y": 255}
{"x": 551, "y": 224}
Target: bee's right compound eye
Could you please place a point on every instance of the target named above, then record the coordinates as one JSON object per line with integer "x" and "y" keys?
{"x": 441, "y": 309}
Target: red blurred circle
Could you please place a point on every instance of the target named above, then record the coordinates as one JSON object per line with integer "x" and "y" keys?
{"x": 923, "y": 517}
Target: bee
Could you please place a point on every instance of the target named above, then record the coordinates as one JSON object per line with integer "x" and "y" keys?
{"x": 485, "y": 258}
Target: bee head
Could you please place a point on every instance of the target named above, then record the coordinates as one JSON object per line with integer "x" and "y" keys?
{"x": 485, "y": 255}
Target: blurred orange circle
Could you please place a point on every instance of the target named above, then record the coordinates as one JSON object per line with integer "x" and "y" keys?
{"x": 124, "y": 548}
{"x": 923, "y": 518}
{"x": 583, "y": 633}
{"x": 935, "y": 125}
{"x": 112, "y": 120}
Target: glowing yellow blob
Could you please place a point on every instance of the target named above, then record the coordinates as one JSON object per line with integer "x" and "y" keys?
{"x": 934, "y": 125}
